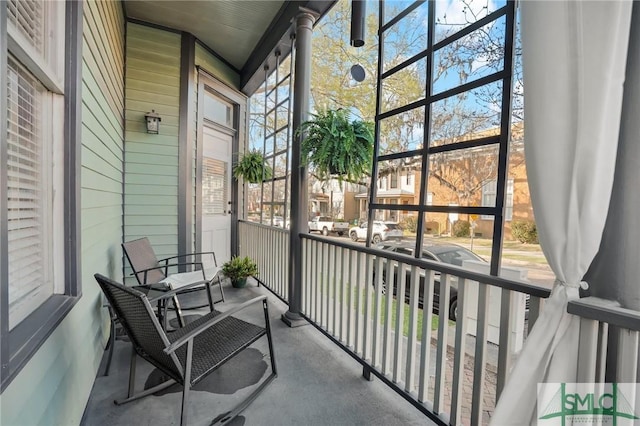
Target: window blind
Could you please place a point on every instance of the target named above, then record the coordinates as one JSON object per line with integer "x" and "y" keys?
{"x": 214, "y": 188}
{"x": 30, "y": 280}
{"x": 27, "y": 17}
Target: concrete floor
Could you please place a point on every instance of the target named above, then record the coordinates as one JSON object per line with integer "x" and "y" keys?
{"x": 317, "y": 384}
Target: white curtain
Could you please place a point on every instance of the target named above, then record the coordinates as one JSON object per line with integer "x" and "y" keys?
{"x": 574, "y": 58}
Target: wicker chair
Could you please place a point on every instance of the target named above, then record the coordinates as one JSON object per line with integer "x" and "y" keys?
{"x": 190, "y": 353}
{"x": 150, "y": 270}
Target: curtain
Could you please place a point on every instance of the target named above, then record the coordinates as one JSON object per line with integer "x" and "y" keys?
{"x": 574, "y": 57}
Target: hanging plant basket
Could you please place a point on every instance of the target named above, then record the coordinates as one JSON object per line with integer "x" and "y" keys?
{"x": 252, "y": 168}
{"x": 336, "y": 147}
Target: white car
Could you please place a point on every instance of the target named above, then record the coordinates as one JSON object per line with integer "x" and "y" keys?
{"x": 382, "y": 231}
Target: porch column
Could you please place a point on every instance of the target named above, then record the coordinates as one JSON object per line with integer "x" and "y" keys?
{"x": 299, "y": 197}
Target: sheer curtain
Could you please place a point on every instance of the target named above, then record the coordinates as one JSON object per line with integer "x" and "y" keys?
{"x": 574, "y": 57}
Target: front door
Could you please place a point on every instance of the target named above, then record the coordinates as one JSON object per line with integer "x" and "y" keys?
{"x": 216, "y": 191}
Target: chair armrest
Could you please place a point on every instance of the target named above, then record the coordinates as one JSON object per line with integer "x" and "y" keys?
{"x": 171, "y": 293}
{"x": 166, "y": 268}
{"x": 191, "y": 255}
{"x": 191, "y": 335}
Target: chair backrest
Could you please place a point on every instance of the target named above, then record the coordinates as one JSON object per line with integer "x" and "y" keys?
{"x": 141, "y": 325}
{"x": 141, "y": 256}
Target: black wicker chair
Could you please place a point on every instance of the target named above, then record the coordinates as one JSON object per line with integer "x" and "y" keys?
{"x": 190, "y": 353}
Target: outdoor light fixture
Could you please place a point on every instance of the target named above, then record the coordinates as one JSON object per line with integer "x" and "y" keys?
{"x": 358, "y": 12}
{"x": 153, "y": 122}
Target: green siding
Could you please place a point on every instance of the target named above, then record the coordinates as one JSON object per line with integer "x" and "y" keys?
{"x": 216, "y": 67}
{"x": 54, "y": 387}
{"x": 151, "y": 161}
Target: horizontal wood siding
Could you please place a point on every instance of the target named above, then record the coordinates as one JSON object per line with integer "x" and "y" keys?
{"x": 151, "y": 161}
{"x": 216, "y": 67}
{"x": 54, "y": 387}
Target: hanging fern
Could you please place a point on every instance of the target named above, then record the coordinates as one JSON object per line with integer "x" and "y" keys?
{"x": 252, "y": 168}
{"x": 337, "y": 147}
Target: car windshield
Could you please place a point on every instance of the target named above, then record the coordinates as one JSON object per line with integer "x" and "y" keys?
{"x": 456, "y": 256}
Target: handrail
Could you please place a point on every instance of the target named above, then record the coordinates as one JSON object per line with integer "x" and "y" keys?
{"x": 260, "y": 225}
{"x": 609, "y": 311}
{"x": 514, "y": 285}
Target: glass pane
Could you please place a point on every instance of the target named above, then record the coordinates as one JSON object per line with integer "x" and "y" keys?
{"x": 268, "y": 146}
{"x": 214, "y": 186}
{"x": 267, "y": 190}
{"x": 217, "y": 110}
{"x": 475, "y": 55}
{"x": 471, "y": 115}
{"x": 282, "y": 115}
{"x": 457, "y": 177}
{"x": 405, "y": 86}
{"x": 448, "y": 239}
{"x": 394, "y": 7}
{"x": 254, "y": 192}
{"x": 29, "y": 17}
{"x": 281, "y": 140}
{"x": 402, "y": 132}
{"x": 405, "y": 38}
{"x": 280, "y": 168}
{"x": 453, "y": 16}
{"x": 278, "y": 192}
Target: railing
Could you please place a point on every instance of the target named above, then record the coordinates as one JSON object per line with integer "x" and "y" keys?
{"x": 269, "y": 247}
{"x": 609, "y": 335}
{"x": 345, "y": 295}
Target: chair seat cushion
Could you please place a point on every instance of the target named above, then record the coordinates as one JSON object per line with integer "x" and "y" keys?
{"x": 176, "y": 281}
{"x": 217, "y": 344}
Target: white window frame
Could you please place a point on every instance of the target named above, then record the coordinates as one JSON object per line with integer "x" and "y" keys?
{"x": 47, "y": 68}
{"x": 489, "y": 193}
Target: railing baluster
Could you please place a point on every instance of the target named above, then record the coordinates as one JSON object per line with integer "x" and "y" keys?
{"x": 375, "y": 358}
{"x": 323, "y": 294}
{"x": 368, "y": 286}
{"x": 480, "y": 354}
{"x": 425, "y": 350}
{"x": 360, "y": 277}
{"x": 399, "y": 340}
{"x": 414, "y": 287}
{"x": 388, "y": 312}
{"x": 459, "y": 356}
{"x": 603, "y": 343}
{"x": 627, "y": 371}
{"x": 441, "y": 354}
{"x": 349, "y": 290}
{"x": 343, "y": 283}
{"x": 316, "y": 283}
{"x": 335, "y": 292}
{"x": 587, "y": 350}
{"x": 505, "y": 339}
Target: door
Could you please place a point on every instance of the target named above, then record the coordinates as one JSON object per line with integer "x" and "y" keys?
{"x": 216, "y": 191}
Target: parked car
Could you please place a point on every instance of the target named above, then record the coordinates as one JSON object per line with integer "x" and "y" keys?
{"x": 447, "y": 253}
{"x": 327, "y": 225}
{"x": 382, "y": 231}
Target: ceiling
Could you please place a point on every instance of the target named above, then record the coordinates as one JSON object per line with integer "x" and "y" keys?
{"x": 243, "y": 33}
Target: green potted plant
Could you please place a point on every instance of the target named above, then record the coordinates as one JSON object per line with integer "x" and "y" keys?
{"x": 252, "y": 168}
{"x": 336, "y": 146}
{"x": 238, "y": 269}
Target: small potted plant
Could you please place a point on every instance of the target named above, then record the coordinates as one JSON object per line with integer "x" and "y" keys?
{"x": 238, "y": 269}
{"x": 337, "y": 147}
{"x": 252, "y": 168}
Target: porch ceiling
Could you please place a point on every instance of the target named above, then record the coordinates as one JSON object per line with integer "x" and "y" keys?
{"x": 243, "y": 33}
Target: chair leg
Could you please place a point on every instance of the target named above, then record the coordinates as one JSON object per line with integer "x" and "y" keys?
{"x": 220, "y": 286}
{"x": 207, "y": 288}
{"x": 269, "y": 338}
{"x": 111, "y": 342}
{"x": 132, "y": 372}
{"x": 187, "y": 384}
{"x": 176, "y": 306}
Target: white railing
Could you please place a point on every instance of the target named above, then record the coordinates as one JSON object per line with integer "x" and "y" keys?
{"x": 609, "y": 336}
{"x": 451, "y": 377}
{"x": 269, "y": 247}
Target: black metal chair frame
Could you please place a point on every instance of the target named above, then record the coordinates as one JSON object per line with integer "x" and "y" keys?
{"x": 162, "y": 266}
{"x": 198, "y": 343}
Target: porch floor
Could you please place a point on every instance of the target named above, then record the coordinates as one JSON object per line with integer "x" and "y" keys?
{"x": 317, "y": 384}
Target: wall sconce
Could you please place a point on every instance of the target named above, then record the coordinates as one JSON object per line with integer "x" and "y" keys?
{"x": 153, "y": 122}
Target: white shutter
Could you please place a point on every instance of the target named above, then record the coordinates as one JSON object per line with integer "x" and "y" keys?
{"x": 28, "y": 162}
